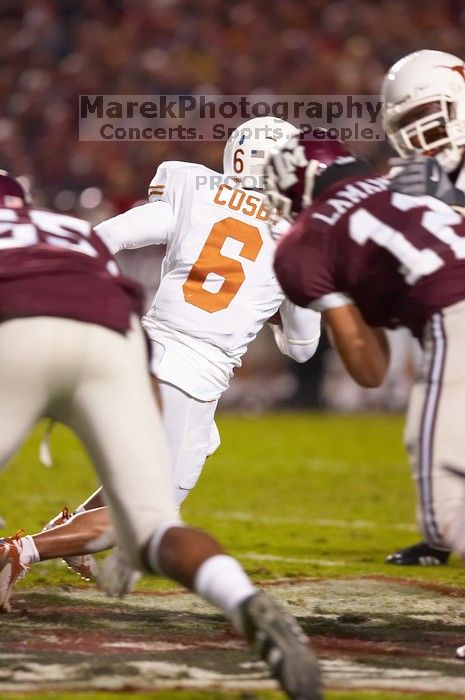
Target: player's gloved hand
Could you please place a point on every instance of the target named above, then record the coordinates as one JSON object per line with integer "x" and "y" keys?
{"x": 116, "y": 576}
{"x": 421, "y": 175}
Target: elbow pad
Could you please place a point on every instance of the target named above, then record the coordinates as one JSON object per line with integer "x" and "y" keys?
{"x": 298, "y": 350}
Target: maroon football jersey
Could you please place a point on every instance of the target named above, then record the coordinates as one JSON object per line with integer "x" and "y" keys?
{"x": 56, "y": 265}
{"x": 398, "y": 258}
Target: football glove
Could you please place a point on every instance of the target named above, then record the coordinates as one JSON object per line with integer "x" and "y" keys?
{"x": 423, "y": 176}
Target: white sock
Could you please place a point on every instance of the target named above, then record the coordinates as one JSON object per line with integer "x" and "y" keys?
{"x": 29, "y": 554}
{"x": 79, "y": 509}
{"x": 152, "y": 550}
{"x": 222, "y": 581}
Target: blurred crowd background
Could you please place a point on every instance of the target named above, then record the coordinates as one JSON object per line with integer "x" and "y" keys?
{"x": 53, "y": 50}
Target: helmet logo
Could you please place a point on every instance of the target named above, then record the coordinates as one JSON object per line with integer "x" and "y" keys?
{"x": 287, "y": 161}
{"x": 457, "y": 69}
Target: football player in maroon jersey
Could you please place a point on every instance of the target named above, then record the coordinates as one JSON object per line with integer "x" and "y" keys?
{"x": 424, "y": 96}
{"x": 72, "y": 348}
{"x": 369, "y": 259}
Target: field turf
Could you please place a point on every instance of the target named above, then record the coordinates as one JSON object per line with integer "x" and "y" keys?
{"x": 310, "y": 504}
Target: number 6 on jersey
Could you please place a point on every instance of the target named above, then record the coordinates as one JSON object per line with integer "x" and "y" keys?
{"x": 212, "y": 261}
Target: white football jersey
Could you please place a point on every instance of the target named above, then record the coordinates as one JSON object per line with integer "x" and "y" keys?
{"x": 218, "y": 286}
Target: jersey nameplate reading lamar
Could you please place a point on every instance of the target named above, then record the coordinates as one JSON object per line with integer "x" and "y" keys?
{"x": 398, "y": 258}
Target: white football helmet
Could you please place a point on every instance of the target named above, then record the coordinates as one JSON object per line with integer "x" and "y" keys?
{"x": 247, "y": 149}
{"x": 424, "y": 107}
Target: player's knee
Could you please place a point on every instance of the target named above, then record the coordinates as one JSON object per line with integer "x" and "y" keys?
{"x": 199, "y": 443}
{"x": 188, "y": 466}
{"x": 180, "y": 495}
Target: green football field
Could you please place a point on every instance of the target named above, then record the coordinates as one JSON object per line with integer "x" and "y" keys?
{"x": 310, "y": 504}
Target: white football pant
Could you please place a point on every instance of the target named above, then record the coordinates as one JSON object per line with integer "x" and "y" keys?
{"x": 192, "y": 435}
{"x": 96, "y": 381}
{"x": 435, "y": 430}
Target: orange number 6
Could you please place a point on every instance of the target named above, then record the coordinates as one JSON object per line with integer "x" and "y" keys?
{"x": 211, "y": 260}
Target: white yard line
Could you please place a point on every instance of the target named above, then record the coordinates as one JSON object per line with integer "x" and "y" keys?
{"x": 291, "y": 560}
{"x": 240, "y": 516}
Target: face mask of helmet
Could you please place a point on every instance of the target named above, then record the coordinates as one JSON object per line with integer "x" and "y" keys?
{"x": 429, "y": 128}
{"x": 424, "y": 96}
{"x": 289, "y": 180}
{"x": 299, "y": 170}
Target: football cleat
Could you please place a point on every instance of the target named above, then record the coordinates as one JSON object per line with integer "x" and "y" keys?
{"x": 283, "y": 645}
{"x": 460, "y": 653}
{"x": 84, "y": 565}
{"x": 421, "y": 554}
{"x": 58, "y": 519}
{"x": 11, "y": 569}
{"x": 117, "y": 577}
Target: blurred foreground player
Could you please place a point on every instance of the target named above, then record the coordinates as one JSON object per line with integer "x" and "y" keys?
{"x": 72, "y": 348}
{"x": 368, "y": 258}
{"x": 424, "y": 96}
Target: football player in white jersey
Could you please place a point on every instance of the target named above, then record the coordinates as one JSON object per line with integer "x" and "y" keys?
{"x": 424, "y": 97}
{"x": 217, "y": 290}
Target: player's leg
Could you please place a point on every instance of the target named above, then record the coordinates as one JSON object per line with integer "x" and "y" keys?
{"x": 448, "y": 447}
{"x": 118, "y": 420}
{"x": 78, "y": 538}
{"x": 23, "y": 385}
{"x": 192, "y": 436}
{"x": 24, "y": 392}
{"x": 75, "y": 537}
{"x": 434, "y": 432}
{"x": 82, "y": 562}
{"x": 96, "y": 499}
{"x": 81, "y": 533}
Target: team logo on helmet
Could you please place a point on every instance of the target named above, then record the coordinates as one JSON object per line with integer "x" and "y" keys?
{"x": 287, "y": 161}
{"x": 457, "y": 69}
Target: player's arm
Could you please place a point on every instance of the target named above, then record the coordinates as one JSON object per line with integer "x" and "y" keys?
{"x": 296, "y": 331}
{"x": 420, "y": 176}
{"x": 364, "y": 350}
{"x": 306, "y": 268}
{"x": 148, "y": 224}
